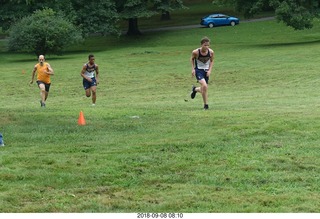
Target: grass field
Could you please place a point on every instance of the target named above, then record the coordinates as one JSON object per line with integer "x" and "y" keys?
{"x": 144, "y": 149}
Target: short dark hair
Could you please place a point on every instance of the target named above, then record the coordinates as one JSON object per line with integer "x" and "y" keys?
{"x": 90, "y": 56}
{"x": 205, "y": 40}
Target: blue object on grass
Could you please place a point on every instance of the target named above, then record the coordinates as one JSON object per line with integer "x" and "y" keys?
{"x": 1, "y": 140}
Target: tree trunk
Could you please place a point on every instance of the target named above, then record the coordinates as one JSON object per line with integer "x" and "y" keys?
{"x": 133, "y": 27}
{"x": 165, "y": 16}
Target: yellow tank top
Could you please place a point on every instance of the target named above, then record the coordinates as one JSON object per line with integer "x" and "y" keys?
{"x": 42, "y": 76}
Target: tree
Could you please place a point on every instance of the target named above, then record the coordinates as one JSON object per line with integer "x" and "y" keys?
{"x": 131, "y": 10}
{"x": 98, "y": 16}
{"x": 9, "y": 9}
{"x": 43, "y": 32}
{"x": 298, "y": 14}
{"x": 8, "y": 15}
{"x": 166, "y": 6}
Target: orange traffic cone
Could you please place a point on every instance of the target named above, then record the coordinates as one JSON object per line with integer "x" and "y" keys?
{"x": 81, "y": 120}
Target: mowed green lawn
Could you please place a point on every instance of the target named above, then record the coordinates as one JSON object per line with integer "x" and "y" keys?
{"x": 144, "y": 148}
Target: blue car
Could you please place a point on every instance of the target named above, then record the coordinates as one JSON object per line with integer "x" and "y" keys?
{"x": 213, "y": 20}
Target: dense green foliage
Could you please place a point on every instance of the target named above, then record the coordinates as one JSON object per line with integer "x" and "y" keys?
{"x": 12, "y": 11}
{"x": 144, "y": 149}
{"x": 95, "y": 16}
{"x": 100, "y": 16}
{"x": 43, "y": 32}
{"x": 132, "y": 10}
{"x": 297, "y": 14}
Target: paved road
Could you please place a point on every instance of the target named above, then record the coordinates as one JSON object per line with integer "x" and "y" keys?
{"x": 199, "y": 26}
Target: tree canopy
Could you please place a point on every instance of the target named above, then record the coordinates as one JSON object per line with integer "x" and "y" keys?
{"x": 99, "y": 16}
{"x": 43, "y": 32}
{"x": 132, "y": 10}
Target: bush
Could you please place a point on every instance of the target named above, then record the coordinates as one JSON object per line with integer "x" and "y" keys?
{"x": 43, "y": 32}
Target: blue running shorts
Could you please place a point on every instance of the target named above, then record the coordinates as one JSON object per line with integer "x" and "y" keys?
{"x": 87, "y": 84}
{"x": 201, "y": 74}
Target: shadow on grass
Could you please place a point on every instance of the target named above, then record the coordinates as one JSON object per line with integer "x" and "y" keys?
{"x": 35, "y": 58}
{"x": 93, "y": 44}
{"x": 109, "y": 43}
{"x": 287, "y": 44}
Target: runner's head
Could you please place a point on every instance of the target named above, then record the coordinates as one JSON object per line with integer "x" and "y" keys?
{"x": 91, "y": 59}
{"x": 205, "y": 43}
{"x": 41, "y": 59}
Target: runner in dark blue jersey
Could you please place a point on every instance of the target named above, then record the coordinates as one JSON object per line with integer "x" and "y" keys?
{"x": 90, "y": 74}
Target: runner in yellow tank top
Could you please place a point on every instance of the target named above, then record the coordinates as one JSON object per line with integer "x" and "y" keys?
{"x": 44, "y": 71}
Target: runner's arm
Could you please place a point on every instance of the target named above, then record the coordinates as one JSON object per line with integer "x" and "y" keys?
{"x": 50, "y": 70}
{"x": 33, "y": 74}
{"x": 97, "y": 74}
{"x": 83, "y": 75}
{"x": 192, "y": 60}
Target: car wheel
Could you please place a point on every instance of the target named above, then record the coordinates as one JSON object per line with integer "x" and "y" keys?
{"x": 233, "y": 23}
{"x": 211, "y": 25}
